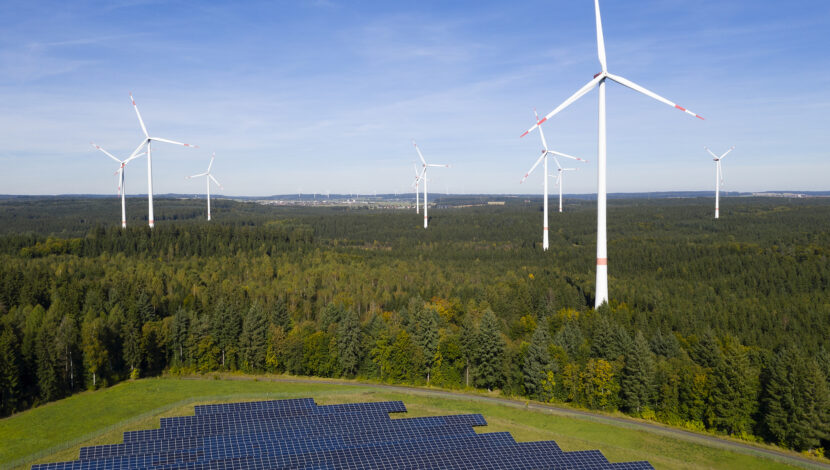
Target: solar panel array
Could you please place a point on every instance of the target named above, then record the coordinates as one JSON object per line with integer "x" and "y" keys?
{"x": 299, "y": 434}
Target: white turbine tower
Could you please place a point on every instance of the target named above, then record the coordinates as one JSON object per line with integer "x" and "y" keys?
{"x": 120, "y": 173}
{"x": 599, "y": 80}
{"x": 208, "y": 179}
{"x": 718, "y": 177}
{"x": 148, "y": 143}
{"x": 424, "y": 176}
{"x": 543, "y": 157}
{"x": 560, "y": 176}
{"x": 417, "y": 186}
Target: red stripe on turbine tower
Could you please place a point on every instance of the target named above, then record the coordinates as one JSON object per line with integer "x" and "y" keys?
{"x": 602, "y": 261}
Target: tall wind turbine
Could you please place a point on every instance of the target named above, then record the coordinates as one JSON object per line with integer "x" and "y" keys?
{"x": 147, "y": 142}
{"x": 599, "y": 80}
{"x": 208, "y": 179}
{"x": 718, "y": 177}
{"x": 424, "y": 176}
{"x": 560, "y": 177}
{"x": 120, "y": 173}
{"x": 543, "y": 157}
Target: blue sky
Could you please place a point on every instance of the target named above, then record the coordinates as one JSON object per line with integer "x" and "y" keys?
{"x": 319, "y": 96}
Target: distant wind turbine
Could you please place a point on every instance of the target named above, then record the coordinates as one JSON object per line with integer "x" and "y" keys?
{"x": 208, "y": 178}
{"x": 560, "y": 177}
{"x": 147, "y": 142}
{"x": 718, "y": 177}
{"x": 417, "y": 186}
{"x": 120, "y": 173}
{"x": 543, "y": 157}
{"x": 599, "y": 80}
{"x": 424, "y": 176}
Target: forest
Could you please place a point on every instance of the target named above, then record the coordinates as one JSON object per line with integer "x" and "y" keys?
{"x": 717, "y": 325}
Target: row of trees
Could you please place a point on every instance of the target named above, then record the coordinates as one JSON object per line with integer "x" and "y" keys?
{"x": 589, "y": 359}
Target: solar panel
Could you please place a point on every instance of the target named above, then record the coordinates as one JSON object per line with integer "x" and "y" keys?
{"x": 299, "y": 434}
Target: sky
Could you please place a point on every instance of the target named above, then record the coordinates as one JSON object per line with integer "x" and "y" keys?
{"x": 319, "y": 96}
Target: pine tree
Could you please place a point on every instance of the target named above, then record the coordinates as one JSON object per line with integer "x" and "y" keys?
{"x": 349, "y": 343}
{"x": 637, "y": 378}
{"x": 569, "y": 338}
{"x": 733, "y": 395}
{"x": 179, "y": 335}
{"x": 537, "y": 363}
{"x": 48, "y": 366}
{"x": 469, "y": 334}
{"x": 489, "y": 353}
{"x": 225, "y": 329}
{"x": 665, "y": 345}
{"x": 425, "y": 333}
{"x": 796, "y": 401}
{"x": 10, "y": 392}
{"x": 253, "y": 339}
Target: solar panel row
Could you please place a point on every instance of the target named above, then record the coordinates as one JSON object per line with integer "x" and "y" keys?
{"x": 299, "y": 434}
{"x": 261, "y": 412}
{"x": 411, "y": 424}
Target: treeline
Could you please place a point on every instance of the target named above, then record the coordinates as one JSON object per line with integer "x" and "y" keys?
{"x": 718, "y": 326}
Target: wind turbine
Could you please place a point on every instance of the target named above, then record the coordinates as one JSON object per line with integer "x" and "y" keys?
{"x": 543, "y": 157}
{"x": 148, "y": 143}
{"x": 599, "y": 80}
{"x": 417, "y": 186}
{"x": 560, "y": 176}
{"x": 120, "y": 173}
{"x": 718, "y": 177}
{"x": 424, "y": 176}
{"x": 208, "y": 179}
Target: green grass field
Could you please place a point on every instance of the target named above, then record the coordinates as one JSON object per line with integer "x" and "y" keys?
{"x": 56, "y": 431}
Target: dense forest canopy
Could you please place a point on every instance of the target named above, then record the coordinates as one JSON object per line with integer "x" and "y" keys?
{"x": 718, "y": 324}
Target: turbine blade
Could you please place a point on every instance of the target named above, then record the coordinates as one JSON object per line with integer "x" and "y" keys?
{"x": 419, "y": 152}
{"x": 133, "y": 157}
{"x": 720, "y": 172}
{"x": 215, "y": 181}
{"x": 634, "y": 86}
{"x": 585, "y": 89}
{"x": 727, "y": 152}
{"x": 159, "y": 139}
{"x": 711, "y": 153}
{"x": 560, "y": 154}
{"x": 140, "y": 121}
{"x": 600, "y": 39}
{"x": 137, "y": 149}
{"x": 439, "y": 166}
{"x": 105, "y": 152}
{"x": 538, "y": 161}
{"x": 196, "y": 176}
{"x": 211, "y": 161}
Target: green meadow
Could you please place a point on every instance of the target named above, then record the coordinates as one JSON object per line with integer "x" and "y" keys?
{"x": 56, "y": 431}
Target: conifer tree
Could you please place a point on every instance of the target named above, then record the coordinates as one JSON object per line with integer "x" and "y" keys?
{"x": 637, "y": 378}
{"x": 489, "y": 353}
{"x": 253, "y": 339}
{"x": 733, "y": 396}
{"x": 9, "y": 371}
{"x": 537, "y": 362}
{"x": 349, "y": 343}
{"x": 425, "y": 333}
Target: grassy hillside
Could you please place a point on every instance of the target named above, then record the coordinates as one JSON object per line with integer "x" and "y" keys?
{"x": 56, "y": 431}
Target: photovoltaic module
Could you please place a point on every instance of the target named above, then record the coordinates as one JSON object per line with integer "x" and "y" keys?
{"x": 299, "y": 434}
